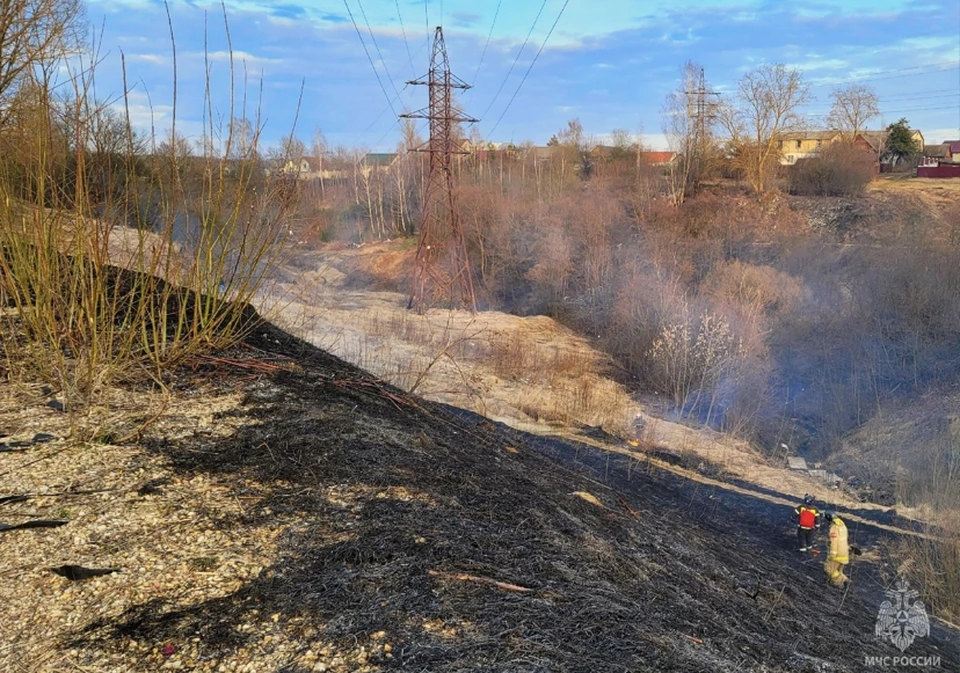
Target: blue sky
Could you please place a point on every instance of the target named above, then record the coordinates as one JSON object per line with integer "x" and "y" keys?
{"x": 609, "y": 63}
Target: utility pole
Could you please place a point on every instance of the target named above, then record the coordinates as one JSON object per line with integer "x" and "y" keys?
{"x": 700, "y": 109}
{"x": 442, "y": 272}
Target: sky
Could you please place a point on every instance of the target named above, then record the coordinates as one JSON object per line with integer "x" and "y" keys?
{"x": 341, "y": 66}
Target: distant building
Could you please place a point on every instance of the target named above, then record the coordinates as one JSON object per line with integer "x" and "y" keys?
{"x": 874, "y": 141}
{"x": 796, "y": 145}
{"x": 378, "y": 161}
{"x": 953, "y": 151}
{"x": 947, "y": 152}
{"x": 303, "y": 168}
{"x": 541, "y": 153}
{"x": 940, "y": 161}
{"x": 658, "y": 158}
{"x": 314, "y": 168}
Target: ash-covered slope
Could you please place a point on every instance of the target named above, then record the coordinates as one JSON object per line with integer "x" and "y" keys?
{"x": 419, "y": 539}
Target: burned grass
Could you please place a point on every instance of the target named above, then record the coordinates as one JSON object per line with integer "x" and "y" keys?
{"x": 419, "y": 539}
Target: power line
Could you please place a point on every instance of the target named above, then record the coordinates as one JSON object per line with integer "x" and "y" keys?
{"x": 910, "y": 68}
{"x": 377, "y": 46}
{"x": 924, "y": 109}
{"x": 406, "y": 44}
{"x": 906, "y": 101}
{"x": 487, "y": 44}
{"x": 388, "y": 107}
{"x": 566, "y": 2}
{"x": 920, "y": 109}
{"x": 389, "y": 130}
{"x": 896, "y": 111}
{"x": 419, "y": 130}
{"x": 426, "y": 21}
{"x": 513, "y": 65}
{"x": 367, "y": 52}
{"x": 920, "y": 95}
{"x": 854, "y": 80}
{"x": 382, "y": 112}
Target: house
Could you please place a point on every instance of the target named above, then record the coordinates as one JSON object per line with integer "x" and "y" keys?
{"x": 933, "y": 155}
{"x": 314, "y": 168}
{"x": 941, "y": 151}
{"x": 946, "y": 152}
{"x": 940, "y": 161}
{"x": 377, "y": 162}
{"x": 874, "y": 140}
{"x": 541, "y": 153}
{"x": 649, "y": 157}
{"x": 303, "y": 168}
{"x": 796, "y": 145}
{"x": 953, "y": 151}
{"x": 655, "y": 158}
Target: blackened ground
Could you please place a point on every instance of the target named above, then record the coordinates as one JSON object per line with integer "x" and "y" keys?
{"x": 664, "y": 574}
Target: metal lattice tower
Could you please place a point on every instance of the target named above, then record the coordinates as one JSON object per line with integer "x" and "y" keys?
{"x": 700, "y": 108}
{"x": 442, "y": 273}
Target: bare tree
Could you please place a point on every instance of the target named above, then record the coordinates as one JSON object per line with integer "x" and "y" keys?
{"x": 621, "y": 139}
{"x": 176, "y": 145}
{"x": 287, "y": 157}
{"x": 34, "y": 34}
{"x": 692, "y": 138}
{"x": 769, "y": 99}
{"x": 319, "y": 149}
{"x": 853, "y": 106}
{"x": 574, "y": 149}
{"x": 242, "y": 138}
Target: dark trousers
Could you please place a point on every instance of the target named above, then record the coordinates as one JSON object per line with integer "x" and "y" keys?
{"x": 805, "y": 537}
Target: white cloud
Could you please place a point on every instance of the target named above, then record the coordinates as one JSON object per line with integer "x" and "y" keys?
{"x": 142, "y": 112}
{"x": 822, "y": 64}
{"x": 158, "y": 59}
{"x": 240, "y": 57}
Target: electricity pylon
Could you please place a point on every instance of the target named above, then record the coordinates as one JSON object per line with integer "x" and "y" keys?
{"x": 442, "y": 273}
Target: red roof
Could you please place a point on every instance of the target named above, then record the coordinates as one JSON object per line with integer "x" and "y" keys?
{"x": 657, "y": 157}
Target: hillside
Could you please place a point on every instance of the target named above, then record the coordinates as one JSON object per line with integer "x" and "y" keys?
{"x": 906, "y": 450}
{"x": 292, "y": 513}
{"x": 894, "y": 208}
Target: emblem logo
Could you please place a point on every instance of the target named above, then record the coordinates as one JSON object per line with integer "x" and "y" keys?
{"x": 903, "y": 618}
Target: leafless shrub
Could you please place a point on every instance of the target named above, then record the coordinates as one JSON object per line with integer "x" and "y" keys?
{"x": 692, "y": 354}
{"x": 757, "y": 289}
{"x": 841, "y": 169}
{"x": 81, "y": 197}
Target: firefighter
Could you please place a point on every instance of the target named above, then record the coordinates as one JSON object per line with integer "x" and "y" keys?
{"x": 839, "y": 554}
{"x": 808, "y": 518}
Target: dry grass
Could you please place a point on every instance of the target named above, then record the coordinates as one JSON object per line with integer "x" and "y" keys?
{"x": 528, "y": 372}
{"x": 933, "y": 563}
{"x": 194, "y": 230}
{"x": 517, "y": 370}
{"x": 948, "y": 188}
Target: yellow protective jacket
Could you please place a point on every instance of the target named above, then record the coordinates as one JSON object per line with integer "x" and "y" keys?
{"x": 839, "y": 548}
